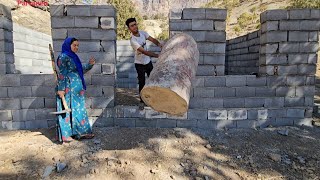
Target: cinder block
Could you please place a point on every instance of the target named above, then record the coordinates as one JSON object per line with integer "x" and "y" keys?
{"x": 101, "y": 34}
{"x": 6, "y": 23}
{"x": 270, "y": 26}
{"x": 215, "y": 81}
{"x": 57, "y": 10}
{"x": 10, "y": 80}
{"x": 298, "y": 59}
{"x": 193, "y": 13}
{"x": 217, "y": 36}
{"x": 273, "y": 37}
{"x": 254, "y": 102}
{"x": 219, "y": 25}
{"x": 202, "y": 25}
{"x": 299, "y": 13}
{"x": 44, "y": 114}
{"x": 152, "y": 114}
{"x": 94, "y": 91}
{"x": 274, "y": 113}
{"x": 296, "y": 80}
{"x": 309, "y": 47}
{"x": 108, "y": 91}
{"x": 166, "y": 123}
{"x": 225, "y": 92}
{"x": 312, "y": 59}
{"x": 103, "y": 80}
{"x": 235, "y": 81}
{"x": 108, "y": 69}
{"x": 269, "y": 48}
{"x": 237, "y": 114}
{"x": 265, "y": 123}
{"x": 273, "y": 59}
{"x": 180, "y": 25}
{"x": 214, "y": 59}
{"x": 287, "y": 70}
{"x": 82, "y": 34}
{"x": 258, "y": 114}
{"x": 10, "y": 125}
{"x": 36, "y": 124}
{"x": 198, "y": 36}
{"x": 78, "y": 10}
{"x": 102, "y": 11}
{"x": 245, "y": 92}
{"x": 310, "y": 80}
{"x": 198, "y": 82}
{"x": 276, "y": 102}
{"x": 285, "y": 91}
{"x": 3, "y": 92}
{"x": 194, "y": 114}
{"x": 62, "y": 22}
{"x": 205, "y": 70}
{"x": 217, "y": 114}
{"x": 186, "y": 123}
{"x": 233, "y": 103}
{"x": 5, "y": 115}
{"x": 102, "y": 102}
{"x": 175, "y": 14}
{"x": 203, "y": 92}
{"x": 298, "y": 36}
{"x": 245, "y": 124}
{"x": 290, "y": 25}
{"x": 23, "y": 115}
{"x": 284, "y": 122}
{"x": 107, "y": 23}
{"x": 104, "y": 122}
{"x": 216, "y": 14}
{"x": 299, "y": 113}
{"x": 303, "y": 91}
{"x": 222, "y": 124}
{"x": 309, "y": 25}
{"x": 48, "y": 103}
{"x": 150, "y": 123}
{"x": 32, "y": 80}
{"x": 86, "y": 22}
{"x": 32, "y": 103}
{"x": 109, "y": 112}
{"x": 306, "y": 69}
{"x": 265, "y": 91}
{"x": 42, "y": 91}
{"x": 256, "y": 81}
{"x": 315, "y": 13}
{"x": 22, "y": 91}
{"x": 206, "y": 103}
{"x": 95, "y": 112}
{"x": 133, "y": 112}
{"x": 303, "y": 122}
{"x": 205, "y": 124}
{"x": 293, "y": 101}
{"x": 274, "y": 15}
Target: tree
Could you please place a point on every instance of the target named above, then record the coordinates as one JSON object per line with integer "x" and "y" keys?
{"x": 125, "y": 9}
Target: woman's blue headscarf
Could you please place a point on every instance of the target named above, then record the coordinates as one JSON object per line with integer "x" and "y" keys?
{"x": 66, "y": 49}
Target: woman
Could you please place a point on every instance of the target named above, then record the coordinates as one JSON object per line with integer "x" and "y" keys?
{"x": 71, "y": 84}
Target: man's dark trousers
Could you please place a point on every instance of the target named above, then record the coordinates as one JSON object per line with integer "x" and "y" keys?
{"x": 142, "y": 70}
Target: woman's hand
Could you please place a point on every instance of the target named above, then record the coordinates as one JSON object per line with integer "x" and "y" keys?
{"x": 92, "y": 61}
{"x": 61, "y": 93}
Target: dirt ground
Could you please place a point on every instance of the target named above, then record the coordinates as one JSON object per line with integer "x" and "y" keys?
{"x": 121, "y": 153}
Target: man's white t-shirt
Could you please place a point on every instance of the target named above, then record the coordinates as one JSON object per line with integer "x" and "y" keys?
{"x": 137, "y": 42}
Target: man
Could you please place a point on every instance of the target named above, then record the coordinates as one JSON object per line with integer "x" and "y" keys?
{"x": 142, "y": 56}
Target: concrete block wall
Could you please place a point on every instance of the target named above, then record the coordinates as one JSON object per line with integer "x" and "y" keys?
{"x": 242, "y": 54}
{"x": 126, "y": 74}
{"x": 207, "y": 27}
{"x": 289, "y": 42}
{"x": 31, "y": 52}
{"x": 6, "y": 41}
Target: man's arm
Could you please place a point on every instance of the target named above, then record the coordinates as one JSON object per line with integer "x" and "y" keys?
{"x": 156, "y": 42}
{"x": 148, "y": 53}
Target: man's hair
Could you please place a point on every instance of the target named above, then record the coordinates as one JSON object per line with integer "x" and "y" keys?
{"x": 130, "y": 20}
